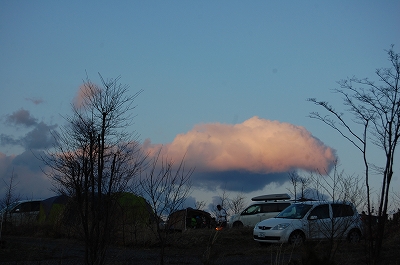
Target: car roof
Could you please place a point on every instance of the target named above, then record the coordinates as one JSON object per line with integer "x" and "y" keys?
{"x": 270, "y": 202}
{"x": 323, "y": 202}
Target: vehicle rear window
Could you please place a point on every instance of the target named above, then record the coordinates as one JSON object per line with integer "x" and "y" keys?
{"x": 274, "y": 207}
{"x": 342, "y": 210}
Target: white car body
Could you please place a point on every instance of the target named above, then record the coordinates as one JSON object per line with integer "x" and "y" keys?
{"x": 313, "y": 220}
{"x": 260, "y": 210}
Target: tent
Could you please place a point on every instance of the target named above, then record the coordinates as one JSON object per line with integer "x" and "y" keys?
{"x": 189, "y": 218}
{"x": 134, "y": 208}
{"x": 52, "y": 208}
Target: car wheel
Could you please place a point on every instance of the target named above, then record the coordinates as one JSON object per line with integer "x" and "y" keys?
{"x": 354, "y": 236}
{"x": 296, "y": 238}
{"x": 237, "y": 224}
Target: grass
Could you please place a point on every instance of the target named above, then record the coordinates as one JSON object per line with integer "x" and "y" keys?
{"x": 193, "y": 246}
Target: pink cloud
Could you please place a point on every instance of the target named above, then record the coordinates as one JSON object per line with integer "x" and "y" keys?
{"x": 256, "y": 145}
{"x": 85, "y": 91}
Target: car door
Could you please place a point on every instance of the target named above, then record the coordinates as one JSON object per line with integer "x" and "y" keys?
{"x": 319, "y": 222}
{"x": 342, "y": 219}
{"x": 251, "y": 216}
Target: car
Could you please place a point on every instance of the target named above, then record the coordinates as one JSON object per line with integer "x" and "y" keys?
{"x": 21, "y": 212}
{"x": 265, "y": 206}
{"x": 311, "y": 220}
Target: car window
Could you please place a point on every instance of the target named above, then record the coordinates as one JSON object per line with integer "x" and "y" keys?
{"x": 273, "y": 207}
{"x": 282, "y": 206}
{"x": 320, "y": 211}
{"x": 35, "y": 206}
{"x": 25, "y": 207}
{"x": 253, "y": 209}
{"x": 342, "y": 210}
{"x": 294, "y": 211}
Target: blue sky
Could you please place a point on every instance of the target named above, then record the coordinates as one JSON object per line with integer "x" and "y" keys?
{"x": 200, "y": 63}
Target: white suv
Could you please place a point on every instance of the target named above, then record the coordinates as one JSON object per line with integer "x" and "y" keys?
{"x": 266, "y": 206}
{"x": 314, "y": 220}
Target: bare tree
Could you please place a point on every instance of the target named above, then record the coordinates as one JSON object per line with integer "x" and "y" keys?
{"x": 341, "y": 191}
{"x": 200, "y": 205}
{"x": 165, "y": 187}
{"x": 237, "y": 203}
{"x": 301, "y": 183}
{"x": 375, "y": 107}
{"x": 9, "y": 198}
{"x": 94, "y": 159}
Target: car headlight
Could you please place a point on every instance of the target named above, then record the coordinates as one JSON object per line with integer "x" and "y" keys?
{"x": 280, "y": 226}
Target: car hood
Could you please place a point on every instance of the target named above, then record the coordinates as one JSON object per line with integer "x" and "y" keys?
{"x": 276, "y": 221}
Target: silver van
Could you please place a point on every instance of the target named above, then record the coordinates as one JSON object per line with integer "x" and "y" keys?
{"x": 311, "y": 220}
{"x": 265, "y": 207}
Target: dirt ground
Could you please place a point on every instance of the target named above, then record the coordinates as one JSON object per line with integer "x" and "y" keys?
{"x": 234, "y": 247}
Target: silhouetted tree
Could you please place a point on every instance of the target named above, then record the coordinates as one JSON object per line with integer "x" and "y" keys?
{"x": 9, "y": 198}
{"x": 165, "y": 187}
{"x": 375, "y": 107}
{"x": 94, "y": 160}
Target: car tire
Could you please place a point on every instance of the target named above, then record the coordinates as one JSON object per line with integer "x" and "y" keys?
{"x": 237, "y": 224}
{"x": 296, "y": 238}
{"x": 354, "y": 236}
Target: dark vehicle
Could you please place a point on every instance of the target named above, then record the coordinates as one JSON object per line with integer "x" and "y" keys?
{"x": 21, "y": 212}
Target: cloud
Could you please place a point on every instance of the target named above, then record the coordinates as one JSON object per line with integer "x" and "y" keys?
{"x": 30, "y": 182}
{"x": 85, "y": 91}
{"x": 35, "y": 101}
{"x": 21, "y": 117}
{"x": 247, "y": 156}
{"x": 39, "y": 137}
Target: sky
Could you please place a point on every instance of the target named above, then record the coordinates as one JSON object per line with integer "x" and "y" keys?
{"x": 224, "y": 82}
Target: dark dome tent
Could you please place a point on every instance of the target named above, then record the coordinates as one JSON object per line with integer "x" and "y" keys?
{"x": 52, "y": 208}
{"x": 189, "y": 218}
{"x": 134, "y": 208}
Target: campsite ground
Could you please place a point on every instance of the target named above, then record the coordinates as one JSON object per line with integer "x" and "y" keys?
{"x": 201, "y": 246}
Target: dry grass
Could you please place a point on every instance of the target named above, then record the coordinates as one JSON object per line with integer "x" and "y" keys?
{"x": 196, "y": 246}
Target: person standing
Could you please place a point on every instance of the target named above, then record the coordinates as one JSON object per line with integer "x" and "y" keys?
{"x": 221, "y": 216}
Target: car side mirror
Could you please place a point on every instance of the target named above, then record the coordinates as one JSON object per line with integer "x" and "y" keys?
{"x": 313, "y": 217}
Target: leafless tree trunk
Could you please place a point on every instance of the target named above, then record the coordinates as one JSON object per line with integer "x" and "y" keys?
{"x": 296, "y": 181}
{"x": 236, "y": 204}
{"x": 165, "y": 187}
{"x": 9, "y": 198}
{"x": 339, "y": 188}
{"x": 376, "y": 107}
{"x": 94, "y": 160}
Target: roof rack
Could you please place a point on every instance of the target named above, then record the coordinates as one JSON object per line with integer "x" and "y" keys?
{"x": 272, "y": 197}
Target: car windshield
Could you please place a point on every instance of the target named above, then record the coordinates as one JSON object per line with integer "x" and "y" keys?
{"x": 12, "y": 205}
{"x": 294, "y": 211}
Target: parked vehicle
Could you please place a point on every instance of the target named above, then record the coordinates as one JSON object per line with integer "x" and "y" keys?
{"x": 21, "y": 212}
{"x": 265, "y": 206}
{"x": 311, "y": 220}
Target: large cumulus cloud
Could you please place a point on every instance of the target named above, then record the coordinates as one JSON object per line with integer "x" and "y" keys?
{"x": 249, "y": 155}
